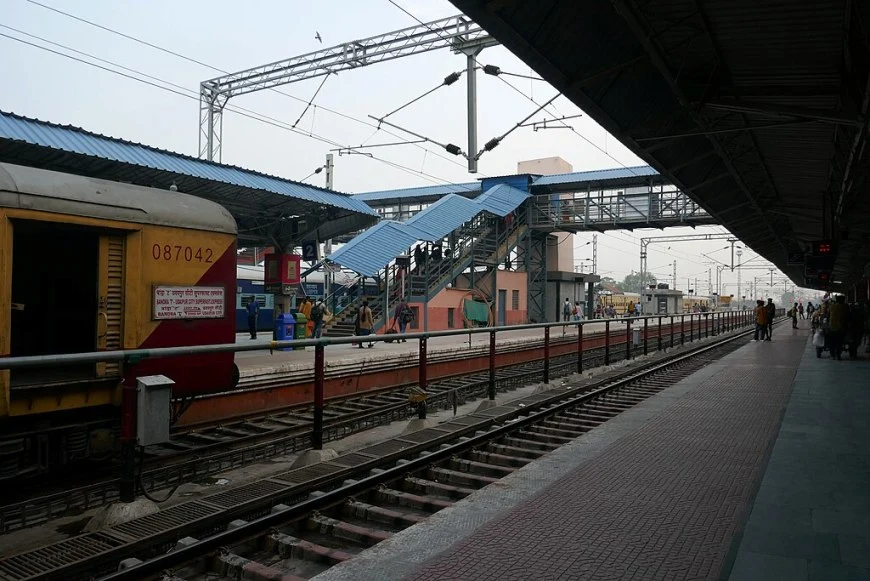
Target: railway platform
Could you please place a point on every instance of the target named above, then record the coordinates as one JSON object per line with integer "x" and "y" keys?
{"x": 755, "y": 467}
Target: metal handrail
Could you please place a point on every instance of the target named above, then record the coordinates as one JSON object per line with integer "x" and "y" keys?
{"x": 135, "y": 355}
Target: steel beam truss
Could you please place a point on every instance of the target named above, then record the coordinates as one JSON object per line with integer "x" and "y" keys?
{"x": 532, "y": 255}
{"x": 456, "y": 32}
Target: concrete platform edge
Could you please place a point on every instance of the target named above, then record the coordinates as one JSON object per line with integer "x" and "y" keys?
{"x": 403, "y": 553}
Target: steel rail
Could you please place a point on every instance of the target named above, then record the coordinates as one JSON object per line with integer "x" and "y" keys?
{"x": 183, "y": 554}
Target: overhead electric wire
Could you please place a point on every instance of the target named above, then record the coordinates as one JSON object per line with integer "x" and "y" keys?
{"x": 218, "y": 69}
{"x": 555, "y": 117}
{"x": 187, "y": 93}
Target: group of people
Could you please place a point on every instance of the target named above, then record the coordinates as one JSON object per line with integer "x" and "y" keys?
{"x": 572, "y": 312}
{"x": 837, "y": 325}
{"x": 764, "y": 315}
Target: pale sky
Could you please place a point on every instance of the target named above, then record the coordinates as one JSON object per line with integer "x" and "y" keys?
{"x": 233, "y": 36}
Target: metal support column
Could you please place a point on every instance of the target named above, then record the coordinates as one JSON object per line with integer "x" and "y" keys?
{"x": 317, "y": 432}
{"x": 546, "y": 354}
{"x": 607, "y": 342}
{"x": 422, "y": 380}
{"x": 491, "y": 387}
{"x": 128, "y": 442}
{"x": 580, "y": 348}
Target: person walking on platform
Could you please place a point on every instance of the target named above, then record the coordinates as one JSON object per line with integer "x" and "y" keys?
{"x": 838, "y": 320}
{"x": 760, "y": 321}
{"x": 566, "y": 310}
{"x": 771, "y": 313}
{"x": 793, "y": 313}
{"x": 801, "y": 311}
{"x": 253, "y": 309}
{"x": 402, "y": 316}
{"x": 366, "y": 322}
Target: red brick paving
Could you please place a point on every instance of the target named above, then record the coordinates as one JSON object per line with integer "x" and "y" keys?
{"x": 661, "y": 503}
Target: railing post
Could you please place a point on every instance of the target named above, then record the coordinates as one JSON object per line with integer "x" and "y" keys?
{"x": 607, "y": 342}
{"x": 421, "y": 379}
{"x": 546, "y": 354}
{"x": 128, "y": 441}
{"x": 317, "y": 434}
{"x": 580, "y": 348}
{"x": 491, "y": 389}
{"x": 659, "y": 334}
{"x": 627, "y": 339}
{"x": 672, "y": 331}
{"x": 682, "y": 329}
{"x": 706, "y": 325}
{"x": 645, "y": 336}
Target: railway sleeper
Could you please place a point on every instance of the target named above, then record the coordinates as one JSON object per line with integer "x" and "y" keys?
{"x": 559, "y": 432}
{"x": 289, "y": 547}
{"x": 430, "y": 487}
{"x": 595, "y": 414}
{"x": 481, "y": 468}
{"x": 560, "y": 423}
{"x": 498, "y": 459}
{"x": 409, "y": 500}
{"x": 607, "y": 407}
{"x": 233, "y": 566}
{"x": 459, "y": 478}
{"x": 378, "y": 514}
{"x": 527, "y": 444}
{"x": 345, "y": 530}
{"x": 533, "y": 432}
{"x": 513, "y": 451}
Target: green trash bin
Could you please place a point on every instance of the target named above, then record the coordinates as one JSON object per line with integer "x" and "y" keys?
{"x": 301, "y": 325}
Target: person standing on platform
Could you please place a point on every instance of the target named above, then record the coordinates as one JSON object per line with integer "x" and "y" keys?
{"x": 760, "y": 321}
{"x": 838, "y": 320}
{"x": 801, "y": 310}
{"x": 319, "y": 314}
{"x": 771, "y": 313}
{"x": 366, "y": 322}
{"x": 401, "y": 317}
{"x": 794, "y": 316}
{"x": 253, "y": 309}
{"x": 566, "y": 310}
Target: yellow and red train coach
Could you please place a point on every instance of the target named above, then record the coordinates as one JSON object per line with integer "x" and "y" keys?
{"x": 89, "y": 265}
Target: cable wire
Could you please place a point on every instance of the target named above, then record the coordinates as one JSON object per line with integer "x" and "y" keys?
{"x": 219, "y": 70}
{"x": 187, "y": 93}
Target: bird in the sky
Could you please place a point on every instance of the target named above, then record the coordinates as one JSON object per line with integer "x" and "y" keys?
{"x": 317, "y": 36}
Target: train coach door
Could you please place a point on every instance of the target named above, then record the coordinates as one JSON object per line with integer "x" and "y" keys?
{"x": 110, "y": 301}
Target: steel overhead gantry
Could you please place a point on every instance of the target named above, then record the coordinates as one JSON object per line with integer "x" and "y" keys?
{"x": 645, "y": 242}
{"x": 456, "y": 32}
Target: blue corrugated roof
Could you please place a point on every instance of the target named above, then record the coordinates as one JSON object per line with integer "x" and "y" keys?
{"x": 369, "y": 252}
{"x": 601, "y": 175}
{"x": 445, "y": 216}
{"x": 424, "y": 191}
{"x": 501, "y": 199}
{"x": 376, "y": 247}
{"x": 76, "y": 140}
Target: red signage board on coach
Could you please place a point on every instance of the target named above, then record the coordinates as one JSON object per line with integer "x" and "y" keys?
{"x": 282, "y": 269}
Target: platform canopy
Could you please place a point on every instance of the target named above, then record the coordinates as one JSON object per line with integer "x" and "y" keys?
{"x": 757, "y": 110}
{"x": 269, "y": 211}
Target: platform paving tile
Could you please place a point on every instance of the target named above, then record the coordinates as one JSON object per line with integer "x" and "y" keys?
{"x": 811, "y": 515}
{"x": 664, "y": 502}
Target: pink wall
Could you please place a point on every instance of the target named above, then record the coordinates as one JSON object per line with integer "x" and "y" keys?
{"x": 451, "y": 299}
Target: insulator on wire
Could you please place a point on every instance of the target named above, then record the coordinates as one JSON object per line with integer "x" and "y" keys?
{"x": 491, "y": 70}
{"x": 491, "y": 144}
{"x": 454, "y": 149}
{"x": 451, "y": 78}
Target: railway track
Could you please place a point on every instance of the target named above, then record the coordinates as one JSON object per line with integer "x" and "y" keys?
{"x": 197, "y": 455}
{"x": 311, "y": 518}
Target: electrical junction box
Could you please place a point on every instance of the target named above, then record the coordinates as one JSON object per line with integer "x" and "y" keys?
{"x": 153, "y": 409}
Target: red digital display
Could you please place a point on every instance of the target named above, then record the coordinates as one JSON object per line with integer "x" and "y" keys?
{"x": 822, "y": 248}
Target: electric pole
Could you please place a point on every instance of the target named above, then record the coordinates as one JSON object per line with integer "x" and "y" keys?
{"x": 595, "y": 254}
{"x": 675, "y": 275}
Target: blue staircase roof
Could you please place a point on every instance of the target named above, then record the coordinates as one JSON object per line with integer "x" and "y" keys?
{"x": 369, "y": 252}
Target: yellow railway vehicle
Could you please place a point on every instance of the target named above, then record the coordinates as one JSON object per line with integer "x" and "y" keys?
{"x": 89, "y": 265}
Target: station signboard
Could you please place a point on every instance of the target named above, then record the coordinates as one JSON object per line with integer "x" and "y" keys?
{"x": 188, "y": 302}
